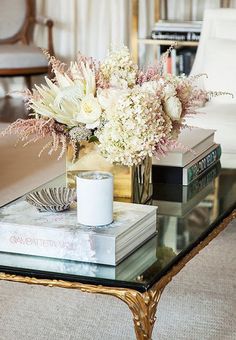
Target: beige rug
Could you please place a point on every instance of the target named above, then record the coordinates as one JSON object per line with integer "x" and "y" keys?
{"x": 199, "y": 304}
{"x": 21, "y": 170}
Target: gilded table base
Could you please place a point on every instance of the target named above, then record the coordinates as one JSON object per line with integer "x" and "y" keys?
{"x": 142, "y": 305}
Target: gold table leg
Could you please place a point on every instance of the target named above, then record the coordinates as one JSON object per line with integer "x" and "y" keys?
{"x": 143, "y": 307}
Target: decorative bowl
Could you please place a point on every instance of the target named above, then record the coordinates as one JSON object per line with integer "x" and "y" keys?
{"x": 52, "y": 199}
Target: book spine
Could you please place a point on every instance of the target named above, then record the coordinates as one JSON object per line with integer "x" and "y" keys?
{"x": 203, "y": 180}
{"x": 178, "y": 36}
{"x": 184, "y": 176}
{"x": 169, "y": 65}
{"x": 202, "y": 165}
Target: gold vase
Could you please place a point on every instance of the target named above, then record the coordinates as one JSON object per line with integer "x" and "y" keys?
{"x": 131, "y": 184}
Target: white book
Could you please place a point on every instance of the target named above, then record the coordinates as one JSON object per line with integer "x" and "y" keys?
{"x": 133, "y": 266}
{"x": 178, "y": 26}
{"x": 24, "y": 230}
{"x": 196, "y": 140}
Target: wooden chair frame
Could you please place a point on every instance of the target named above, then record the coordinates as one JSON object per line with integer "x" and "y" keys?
{"x": 24, "y": 35}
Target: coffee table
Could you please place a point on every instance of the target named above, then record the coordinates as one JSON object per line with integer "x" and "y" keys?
{"x": 189, "y": 219}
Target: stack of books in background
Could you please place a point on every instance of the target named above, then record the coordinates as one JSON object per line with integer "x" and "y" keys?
{"x": 185, "y": 176}
{"x": 177, "y": 30}
{"x": 181, "y": 59}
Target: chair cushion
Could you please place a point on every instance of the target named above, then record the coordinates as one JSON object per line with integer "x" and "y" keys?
{"x": 221, "y": 68}
{"x": 21, "y": 56}
{"x": 12, "y": 16}
{"x": 220, "y": 117}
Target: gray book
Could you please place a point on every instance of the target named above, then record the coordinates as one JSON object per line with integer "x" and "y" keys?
{"x": 24, "y": 230}
{"x": 193, "y": 143}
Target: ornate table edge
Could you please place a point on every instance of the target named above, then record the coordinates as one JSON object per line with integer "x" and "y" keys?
{"x": 142, "y": 305}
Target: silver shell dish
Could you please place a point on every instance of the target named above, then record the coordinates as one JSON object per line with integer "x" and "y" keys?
{"x": 52, "y": 199}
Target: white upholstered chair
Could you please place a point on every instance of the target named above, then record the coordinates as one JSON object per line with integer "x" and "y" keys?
{"x": 216, "y": 57}
{"x": 18, "y": 56}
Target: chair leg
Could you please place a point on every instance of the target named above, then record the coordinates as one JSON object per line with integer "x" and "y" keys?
{"x": 28, "y": 82}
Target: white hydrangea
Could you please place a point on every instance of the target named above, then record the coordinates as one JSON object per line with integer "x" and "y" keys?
{"x": 136, "y": 127}
{"x": 119, "y": 69}
{"x": 167, "y": 92}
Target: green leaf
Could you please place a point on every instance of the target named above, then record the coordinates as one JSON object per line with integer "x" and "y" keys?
{"x": 93, "y": 139}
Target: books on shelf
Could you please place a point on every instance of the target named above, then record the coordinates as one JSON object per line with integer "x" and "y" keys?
{"x": 185, "y": 175}
{"x": 179, "y": 61}
{"x": 185, "y": 60}
{"x": 179, "y": 25}
{"x": 197, "y": 140}
{"x": 177, "y": 30}
{"x": 60, "y": 236}
{"x": 177, "y": 200}
{"x": 181, "y": 31}
{"x": 175, "y": 36}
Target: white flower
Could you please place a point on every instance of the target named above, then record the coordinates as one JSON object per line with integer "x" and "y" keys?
{"x": 173, "y": 108}
{"x": 90, "y": 112}
{"x": 119, "y": 69}
{"x": 136, "y": 126}
{"x": 107, "y": 98}
{"x": 151, "y": 87}
{"x": 62, "y": 100}
{"x": 169, "y": 91}
{"x": 166, "y": 90}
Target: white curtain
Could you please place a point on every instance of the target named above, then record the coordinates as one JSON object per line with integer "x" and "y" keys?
{"x": 189, "y": 9}
{"x": 89, "y": 26}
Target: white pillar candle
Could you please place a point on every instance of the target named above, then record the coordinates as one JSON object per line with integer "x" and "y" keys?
{"x": 94, "y": 198}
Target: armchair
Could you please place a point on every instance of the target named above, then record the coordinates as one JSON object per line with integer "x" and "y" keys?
{"x": 18, "y": 56}
{"x": 216, "y": 57}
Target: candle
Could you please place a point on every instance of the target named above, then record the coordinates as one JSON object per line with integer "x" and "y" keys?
{"x": 94, "y": 198}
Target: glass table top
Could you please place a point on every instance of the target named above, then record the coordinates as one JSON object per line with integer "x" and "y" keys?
{"x": 186, "y": 215}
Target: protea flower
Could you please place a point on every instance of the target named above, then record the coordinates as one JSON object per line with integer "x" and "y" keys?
{"x": 69, "y": 100}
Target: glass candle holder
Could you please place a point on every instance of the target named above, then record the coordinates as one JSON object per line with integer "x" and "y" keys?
{"x": 94, "y": 198}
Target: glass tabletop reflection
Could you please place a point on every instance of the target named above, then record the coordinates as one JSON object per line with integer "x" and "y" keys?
{"x": 186, "y": 215}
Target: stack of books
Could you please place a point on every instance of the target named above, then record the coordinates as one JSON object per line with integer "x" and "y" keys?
{"x": 183, "y": 166}
{"x": 60, "y": 236}
{"x": 129, "y": 269}
{"x": 177, "y": 30}
{"x": 179, "y": 200}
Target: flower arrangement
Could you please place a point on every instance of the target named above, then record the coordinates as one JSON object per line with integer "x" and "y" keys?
{"x": 130, "y": 113}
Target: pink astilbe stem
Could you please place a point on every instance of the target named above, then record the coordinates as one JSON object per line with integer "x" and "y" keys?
{"x": 56, "y": 64}
{"x": 40, "y": 129}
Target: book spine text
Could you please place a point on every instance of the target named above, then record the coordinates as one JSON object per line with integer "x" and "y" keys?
{"x": 203, "y": 164}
